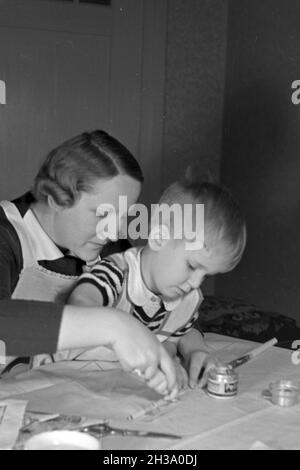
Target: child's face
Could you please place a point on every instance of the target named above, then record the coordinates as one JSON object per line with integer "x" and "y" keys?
{"x": 178, "y": 270}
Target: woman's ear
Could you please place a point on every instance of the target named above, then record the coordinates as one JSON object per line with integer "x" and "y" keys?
{"x": 158, "y": 237}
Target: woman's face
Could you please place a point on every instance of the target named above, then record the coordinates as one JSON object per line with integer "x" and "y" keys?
{"x": 74, "y": 228}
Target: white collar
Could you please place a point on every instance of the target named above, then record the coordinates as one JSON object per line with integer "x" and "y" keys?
{"x": 138, "y": 292}
{"x": 44, "y": 247}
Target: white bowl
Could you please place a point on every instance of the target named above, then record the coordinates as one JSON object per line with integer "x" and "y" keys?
{"x": 62, "y": 440}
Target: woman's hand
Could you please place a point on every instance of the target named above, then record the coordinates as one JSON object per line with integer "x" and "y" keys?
{"x": 159, "y": 383}
{"x": 181, "y": 374}
{"x": 138, "y": 349}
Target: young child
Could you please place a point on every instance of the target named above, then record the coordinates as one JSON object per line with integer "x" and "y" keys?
{"x": 159, "y": 284}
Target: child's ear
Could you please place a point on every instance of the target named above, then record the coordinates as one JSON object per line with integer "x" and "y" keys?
{"x": 53, "y": 204}
{"x": 158, "y": 237}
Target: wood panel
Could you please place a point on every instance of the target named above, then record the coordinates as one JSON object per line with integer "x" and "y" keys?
{"x": 56, "y": 16}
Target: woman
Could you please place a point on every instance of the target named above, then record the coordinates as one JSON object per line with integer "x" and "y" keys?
{"x": 49, "y": 234}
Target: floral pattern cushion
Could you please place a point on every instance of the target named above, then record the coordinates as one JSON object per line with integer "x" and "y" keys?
{"x": 234, "y": 317}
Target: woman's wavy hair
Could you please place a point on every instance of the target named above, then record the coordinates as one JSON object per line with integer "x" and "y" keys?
{"x": 77, "y": 164}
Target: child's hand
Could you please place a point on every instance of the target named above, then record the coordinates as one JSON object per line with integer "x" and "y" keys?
{"x": 197, "y": 357}
{"x": 208, "y": 364}
{"x": 197, "y": 362}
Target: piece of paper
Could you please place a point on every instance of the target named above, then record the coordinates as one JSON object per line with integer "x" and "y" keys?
{"x": 91, "y": 393}
{"x": 11, "y": 420}
{"x": 258, "y": 445}
{"x": 2, "y": 412}
{"x": 25, "y": 383}
{"x": 81, "y": 387}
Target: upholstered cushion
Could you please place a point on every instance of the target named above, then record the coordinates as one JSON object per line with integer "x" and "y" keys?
{"x": 234, "y": 317}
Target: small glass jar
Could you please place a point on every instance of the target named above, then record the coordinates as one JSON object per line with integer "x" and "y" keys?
{"x": 284, "y": 392}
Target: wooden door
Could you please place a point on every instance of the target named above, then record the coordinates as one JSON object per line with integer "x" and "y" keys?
{"x": 75, "y": 65}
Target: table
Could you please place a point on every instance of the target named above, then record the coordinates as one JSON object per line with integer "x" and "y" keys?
{"x": 204, "y": 422}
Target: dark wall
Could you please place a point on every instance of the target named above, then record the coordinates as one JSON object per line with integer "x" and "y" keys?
{"x": 194, "y": 91}
{"x": 261, "y": 149}
{"x": 195, "y": 76}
